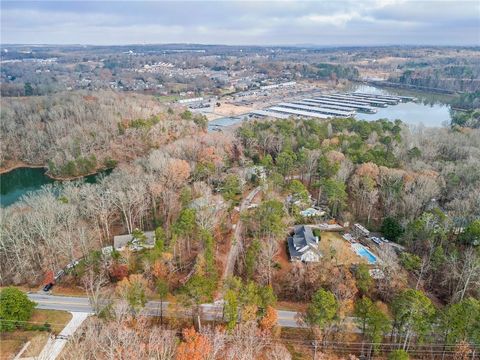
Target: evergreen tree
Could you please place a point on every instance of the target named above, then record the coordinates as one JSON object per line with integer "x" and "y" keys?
{"x": 15, "y": 309}
{"x": 230, "y": 310}
{"x": 322, "y": 309}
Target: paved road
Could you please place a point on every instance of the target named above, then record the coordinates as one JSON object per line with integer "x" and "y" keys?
{"x": 232, "y": 255}
{"x": 152, "y": 308}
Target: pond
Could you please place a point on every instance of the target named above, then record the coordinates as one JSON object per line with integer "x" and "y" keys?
{"x": 18, "y": 182}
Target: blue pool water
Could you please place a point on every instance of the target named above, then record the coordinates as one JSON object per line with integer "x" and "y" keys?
{"x": 365, "y": 253}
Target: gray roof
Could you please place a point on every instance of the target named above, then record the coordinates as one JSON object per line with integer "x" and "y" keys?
{"x": 291, "y": 249}
{"x": 121, "y": 241}
{"x": 302, "y": 237}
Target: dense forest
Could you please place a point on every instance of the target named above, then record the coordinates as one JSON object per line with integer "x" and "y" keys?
{"x": 454, "y": 77}
{"x": 424, "y": 179}
{"x": 419, "y": 187}
{"x": 78, "y": 133}
{"x": 422, "y": 183}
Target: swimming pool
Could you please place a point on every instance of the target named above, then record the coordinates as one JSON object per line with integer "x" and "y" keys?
{"x": 364, "y": 252}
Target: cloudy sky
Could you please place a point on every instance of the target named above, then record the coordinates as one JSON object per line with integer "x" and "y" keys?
{"x": 288, "y": 22}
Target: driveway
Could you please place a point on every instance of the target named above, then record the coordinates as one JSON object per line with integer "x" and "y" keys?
{"x": 232, "y": 255}
{"x": 54, "y": 346}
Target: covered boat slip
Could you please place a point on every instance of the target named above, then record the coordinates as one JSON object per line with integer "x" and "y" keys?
{"x": 266, "y": 113}
{"x": 317, "y": 109}
{"x": 326, "y": 106}
{"x": 389, "y": 101}
{"x": 386, "y": 97}
{"x": 374, "y": 102}
{"x": 295, "y": 112}
{"x": 346, "y": 105}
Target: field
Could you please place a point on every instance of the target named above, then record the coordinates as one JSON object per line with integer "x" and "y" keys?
{"x": 226, "y": 109}
{"x": 12, "y": 342}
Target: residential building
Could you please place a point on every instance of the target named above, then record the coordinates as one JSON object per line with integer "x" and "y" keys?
{"x": 121, "y": 241}
{"x": 303, "y": 245}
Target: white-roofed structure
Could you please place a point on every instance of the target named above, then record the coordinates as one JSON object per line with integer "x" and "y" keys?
{"x": 326, "y": 106}
{"x": 265, "y": 113}
{"x": 396, "y": 99}
{"x": 352, "y": 100}
{"x": 300, "y": 113}
{"x": 379, "y": 103}
{"x": 374, "y": 98}
{"x": 360, "y": 107}
{"x": 317, "y": 109}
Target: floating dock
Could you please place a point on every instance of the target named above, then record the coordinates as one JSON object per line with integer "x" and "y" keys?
{"x": 387, "y": 97}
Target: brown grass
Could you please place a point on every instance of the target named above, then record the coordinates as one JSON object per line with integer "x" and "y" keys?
{"x": 61, "y": 289}
{"x": 13, "y": 341}
{"x": 231, "y": 110}
{"x": 291, "y": 306}
{"x": 344, "y": 254}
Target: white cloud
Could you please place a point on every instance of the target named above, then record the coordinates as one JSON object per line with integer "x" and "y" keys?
{"x": 335, "y": 19}
{"x": 346, "y": 22}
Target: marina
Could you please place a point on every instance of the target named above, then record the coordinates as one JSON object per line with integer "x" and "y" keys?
{"x": 330, "y": 105}
{"x": 356, "y": 102}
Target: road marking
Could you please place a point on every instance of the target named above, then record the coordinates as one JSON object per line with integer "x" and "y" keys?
{"x": 61, "y": 302}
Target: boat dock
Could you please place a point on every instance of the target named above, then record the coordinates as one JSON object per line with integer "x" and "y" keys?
{"x": 347, "y": 106}
{"x": 324, "y": 106}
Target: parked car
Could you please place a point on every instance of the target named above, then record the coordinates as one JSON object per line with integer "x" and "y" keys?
{"x": 47, "y": 287}
{"x": 376, "y": 240}
{"x": 59, "y": 274}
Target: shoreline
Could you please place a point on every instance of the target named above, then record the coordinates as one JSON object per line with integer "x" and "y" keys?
{"x": 4, "y": 171}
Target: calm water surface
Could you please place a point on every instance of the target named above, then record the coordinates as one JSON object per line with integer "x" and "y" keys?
{"x": 18, "y": 182}
{"x": 429, "y": 110}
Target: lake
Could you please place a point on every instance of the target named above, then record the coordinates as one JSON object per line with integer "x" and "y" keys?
{"x": 18, "y": 182}
{"x": 429, "y": 110}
